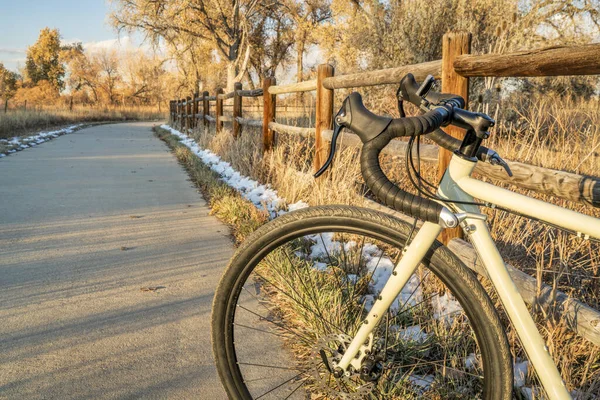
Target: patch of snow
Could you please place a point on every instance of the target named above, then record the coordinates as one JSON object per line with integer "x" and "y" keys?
{"x": 471, "y": 361}
{"x": 531, "y": 393}
{"x": 423, "y": 381}
{"x": 413, "y": 334}
{"x": 325, "y": 246}
{"x": 412, "y": 293}
{"x": 320, "y": 266}
{"x": 18, "y": 143}
{"x": 262, "y": 196}
{"x": 297, "y": 206}
{"x": 381, "y": 268}
{"x": 368, "y": 300}
{"x": 520, "y": 372}
{"x": 445, "y": 307}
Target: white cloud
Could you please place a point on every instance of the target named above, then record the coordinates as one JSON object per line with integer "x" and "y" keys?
{"x": 121, "y": 45}
{"x": 9, "y": 50}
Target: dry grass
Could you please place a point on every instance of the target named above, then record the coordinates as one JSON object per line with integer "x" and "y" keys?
{"x": 550, "y": 133}
{"x": 23, "y": 122}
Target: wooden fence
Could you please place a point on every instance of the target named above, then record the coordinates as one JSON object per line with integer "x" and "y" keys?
{"x": 455, "y": 68}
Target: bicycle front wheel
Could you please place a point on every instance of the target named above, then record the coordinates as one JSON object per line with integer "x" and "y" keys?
{"x": 298, "y": 289}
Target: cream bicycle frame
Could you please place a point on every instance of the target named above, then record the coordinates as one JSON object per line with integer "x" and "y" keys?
{"x": 457, "y": 184}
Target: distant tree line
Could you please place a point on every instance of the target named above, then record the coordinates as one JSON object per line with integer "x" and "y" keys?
{"x": 218, "y": 42}
{"x": 55, "y": 73}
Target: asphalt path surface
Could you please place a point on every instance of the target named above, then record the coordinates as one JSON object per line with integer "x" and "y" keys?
{"x": 108, "y": 264}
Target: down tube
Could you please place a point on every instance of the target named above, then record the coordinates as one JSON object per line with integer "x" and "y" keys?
{"x": 517, "y": 311}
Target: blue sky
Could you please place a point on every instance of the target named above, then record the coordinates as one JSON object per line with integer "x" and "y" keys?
{"x": 77, "y": 20}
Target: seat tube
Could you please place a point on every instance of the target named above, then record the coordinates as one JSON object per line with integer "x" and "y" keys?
{"x": 412, "y": 257}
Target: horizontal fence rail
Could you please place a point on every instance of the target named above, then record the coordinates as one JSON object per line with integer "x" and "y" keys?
{"x": 550, "y": 61}
{"x": 384, "y": 76}
{"x": 306, "y": 86}
{"x": 455, "y": 68}
{"x": 250, "y": 93}
{"x": 292, "y": 130}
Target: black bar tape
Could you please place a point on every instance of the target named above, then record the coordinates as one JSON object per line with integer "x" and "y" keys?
{"x": 386, "y": 191}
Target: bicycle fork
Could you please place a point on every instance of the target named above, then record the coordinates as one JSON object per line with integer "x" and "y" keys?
{"x": 413, "y": 254}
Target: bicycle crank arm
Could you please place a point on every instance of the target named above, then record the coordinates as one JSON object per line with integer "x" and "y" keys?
{"x": 413, "y": 254}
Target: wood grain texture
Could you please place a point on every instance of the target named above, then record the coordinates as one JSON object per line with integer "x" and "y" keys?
{"x": 188, "y": 113}
{"x": 195, "y": 111}
{"x": 237, "y": 109}
{"x": 323, "y": 113}
{"x": 205, "y": 108}
{"x": 565, "y": 185}
{"x": 219, "y": 110}
{"x": 384, "y": 76}
{"x": 249, "y": 122}
{"x": 225, "y": 96}
{"x": 292, "y": 130}
{"x": 549, "y": 61}
{"x": 269, "y": 113}
{"x": 250, "y": 93}
{"x": 306, "y": 86}
{"x": 454, "y": 44}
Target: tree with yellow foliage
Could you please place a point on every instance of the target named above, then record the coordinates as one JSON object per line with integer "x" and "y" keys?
{"x": 43, "y": 60}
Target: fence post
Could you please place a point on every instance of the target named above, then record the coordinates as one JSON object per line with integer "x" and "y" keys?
{"x": 180, "y": 115}
{"x": 219, "y": 110}
{"x": 205, "y": 109}
{"x": 25, "y": 106}
{"x": 188, "y": 114}
{"x": 71, "y": 104}
{"x": 269, "y": 112}
{"x": 237, "y": 109}
{"x": 195, "y": 111}
{"x": 454, "y": 44}
{"x": 5, "y": 106}
{"x": 324, "y": 114}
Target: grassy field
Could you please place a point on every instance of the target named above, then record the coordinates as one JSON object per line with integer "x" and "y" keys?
{"x": 24, "y": 122}
{"x": 547, "y": 132}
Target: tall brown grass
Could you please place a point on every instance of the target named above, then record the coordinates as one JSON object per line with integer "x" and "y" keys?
{"x": 20, "y": 122}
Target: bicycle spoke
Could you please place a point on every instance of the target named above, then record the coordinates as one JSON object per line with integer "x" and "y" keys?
{"x": 307, "y": 340}
{"x": 303, "y": 305}
{"x": 268, "y": 366}
{"x": 278, "y": 386}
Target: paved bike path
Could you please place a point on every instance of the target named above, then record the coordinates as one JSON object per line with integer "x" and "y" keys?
{"x": 86, "y": 221}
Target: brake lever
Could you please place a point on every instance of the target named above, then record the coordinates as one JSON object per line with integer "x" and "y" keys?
{"x": 336, "y": 132}
{"x": 494, "y": 159}
{"x": 497, "y": 160}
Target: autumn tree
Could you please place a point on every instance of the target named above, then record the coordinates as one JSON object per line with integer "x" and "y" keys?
{"x": 83, "y": 72}
{"x": 43, "y": 60}
{"x": 224, "y": 24}
{"x": 8, "y": 82}
{"x": 307, "y": 17}
{"x": 271, "y": 38}
{"x": 143, "y": 78}
{"x": 106, "y": 62}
